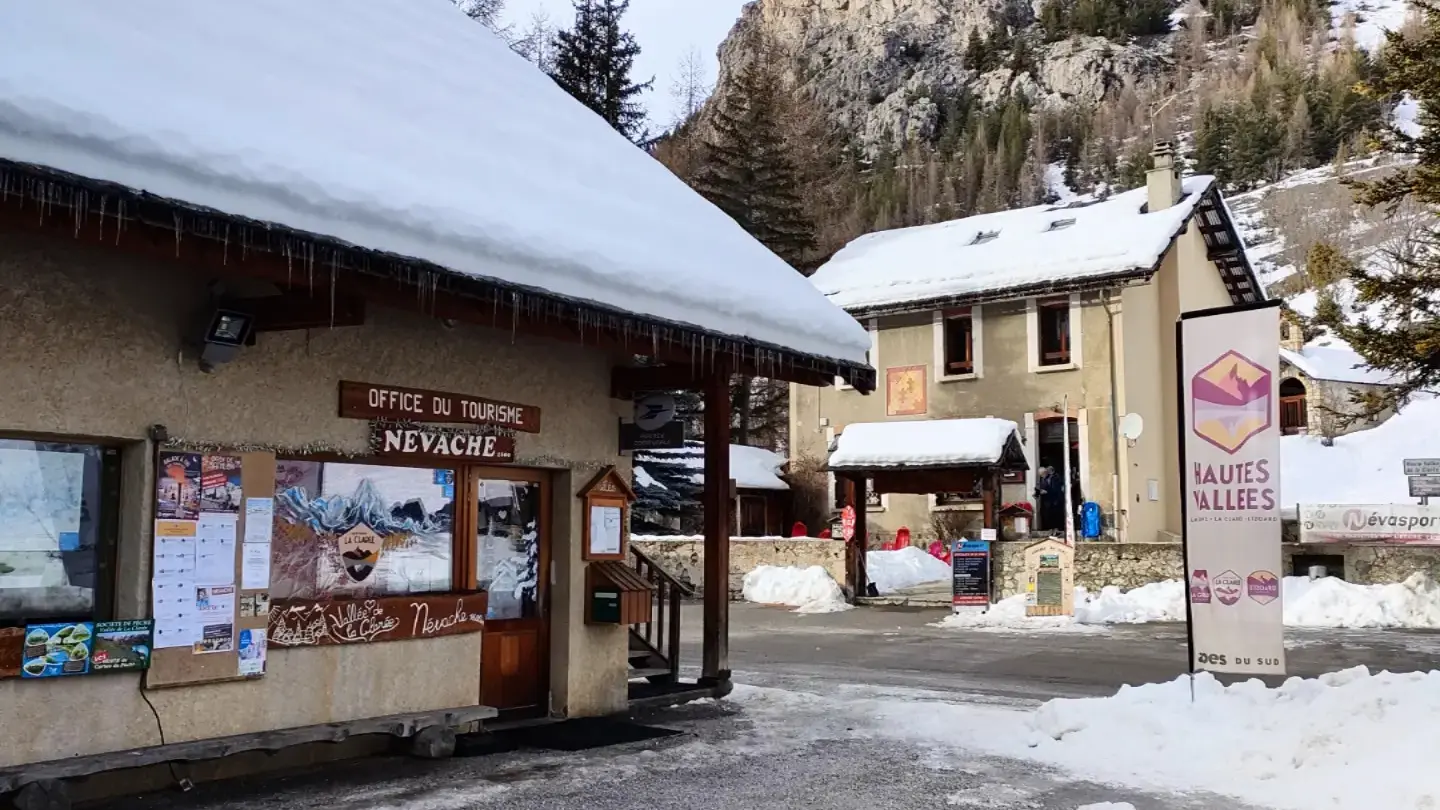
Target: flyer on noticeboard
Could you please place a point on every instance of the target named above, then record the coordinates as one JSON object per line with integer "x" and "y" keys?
{"x": 1230, "y": 368}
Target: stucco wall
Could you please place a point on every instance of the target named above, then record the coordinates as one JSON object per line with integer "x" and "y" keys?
{"x": 685, "y": 559}
{"x": 94, "y": 347}
{"x": 1006, "y": 388}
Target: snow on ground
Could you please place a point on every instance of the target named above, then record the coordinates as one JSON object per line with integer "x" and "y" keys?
{"x": 1331, "y": 602}
{"x": 1349, "y": 740}
{"x": 1108, "y": 806}
{"x": 1406, "y": 117}
{"x": 892, "y": 571}
{"x": 1328, "y": 602}
{"x": 1372, "y": 19}
{"x": 1055, "y": 182}
{"x": 923, "y": 442}
{"x": 1362, "y": 467}
{"x": 330, "y": 135}
{"x": 808, "y": 590}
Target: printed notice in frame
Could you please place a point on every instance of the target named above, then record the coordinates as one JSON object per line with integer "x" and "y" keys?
{"x": 259, "y": 515}
{"x": 215, "y": 548}
{"x": 605, "y": 533}
{"x": 255, "y": 566}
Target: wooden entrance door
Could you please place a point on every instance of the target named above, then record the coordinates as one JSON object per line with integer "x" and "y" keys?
{"x": 512, "y": 561}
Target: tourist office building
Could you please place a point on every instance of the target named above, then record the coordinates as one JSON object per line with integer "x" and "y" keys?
{"x": 269, "y": 476}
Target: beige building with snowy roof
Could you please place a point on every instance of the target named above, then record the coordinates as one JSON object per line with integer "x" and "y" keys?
{"x": 1013, "y": 314}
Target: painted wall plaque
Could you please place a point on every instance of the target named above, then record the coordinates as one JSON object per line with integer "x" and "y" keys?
{"x": 362, "y": 621}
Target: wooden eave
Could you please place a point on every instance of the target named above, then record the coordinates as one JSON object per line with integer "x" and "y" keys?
{"x": 41, "y": 199}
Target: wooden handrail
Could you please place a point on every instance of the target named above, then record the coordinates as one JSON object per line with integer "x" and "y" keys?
{"x": 654, "y": 572}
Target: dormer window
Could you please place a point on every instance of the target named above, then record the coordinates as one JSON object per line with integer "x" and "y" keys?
{"x": 985, "y": 236}
{"x": 1061, "y": 224}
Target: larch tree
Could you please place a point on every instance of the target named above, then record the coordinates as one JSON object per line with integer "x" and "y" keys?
{"x": 593, "y": 61}
{"x": 1397, "y": 328}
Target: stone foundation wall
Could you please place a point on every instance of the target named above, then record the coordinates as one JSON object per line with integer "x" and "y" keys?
{"x": 1126, "y": 565}
{"x": 684, "y": 558}
{"x": 1368, "y": 565}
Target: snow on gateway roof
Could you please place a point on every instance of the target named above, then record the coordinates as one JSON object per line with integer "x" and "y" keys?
{"x": 395, "y": 125}
{"x": 1328, "y": 358}
{"x": 1030, "y": 246}
{"x": 922, "y": 443}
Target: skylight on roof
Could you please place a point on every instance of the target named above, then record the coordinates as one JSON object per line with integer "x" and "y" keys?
{"x": 1061, "y": 224}
{"x": 985, "y": 236}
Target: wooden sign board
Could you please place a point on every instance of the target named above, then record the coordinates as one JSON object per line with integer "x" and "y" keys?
{"x": 1050, "y": 579}
{"x": 440, "y": 445}
{"x": 371, "y": 401}
{"x": 606, "y": 527}
{"x": 315, "y": 624}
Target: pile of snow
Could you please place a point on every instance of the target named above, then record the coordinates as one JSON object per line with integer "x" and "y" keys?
{"x": 1349, "y": 740}
{"x": 1331, "y": 602}
{"x": 893, "y": 571}
{"x": 319, "y": 131}
{"x": 1029, "y": 246}
{"x": 1327, "y": 602}
{"x": 1155, "y": 602}
{"x": 808, "y": 590}
{"x": 923, "y": 442}
{"x": 1372, "y": 19}
{"x": 1362, "y": 467}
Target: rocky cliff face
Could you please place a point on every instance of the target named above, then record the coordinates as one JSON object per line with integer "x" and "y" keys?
{"x": 879, "y": 66}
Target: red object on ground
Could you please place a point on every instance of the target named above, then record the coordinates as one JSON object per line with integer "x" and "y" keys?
{"x": 824, "y": 533}
{"x": 939, "y": 551}
{"x": 902, "y": 538}
{"x": 799, "y": 530}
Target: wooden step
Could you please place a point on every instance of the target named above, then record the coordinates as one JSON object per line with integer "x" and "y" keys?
{"x": 648, "y": 672}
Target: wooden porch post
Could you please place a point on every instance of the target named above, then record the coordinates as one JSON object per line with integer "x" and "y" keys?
{"x": 991, "y": 489}
{"x": 716, "y": 501}
{"x": 856, "y": 547}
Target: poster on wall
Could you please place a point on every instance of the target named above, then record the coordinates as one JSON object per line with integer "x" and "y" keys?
{"x": 177, "y": 487}
{"x": 53, "y": 650}
{"x": 122, "y": 646}
{"x": 220, "y": 484}
{"x": 252, "y": 652}
{"x": 1229, "y": 366}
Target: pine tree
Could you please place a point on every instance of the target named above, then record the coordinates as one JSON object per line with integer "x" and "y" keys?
{"x": 1402, "y": 335}
{"x": 748, "y": 172}
{"x": 593, "y": 60}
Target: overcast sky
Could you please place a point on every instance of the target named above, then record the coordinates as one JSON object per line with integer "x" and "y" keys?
{"x": 666, "y": 31}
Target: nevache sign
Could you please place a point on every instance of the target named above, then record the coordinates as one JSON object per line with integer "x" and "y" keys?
{"x": 1229, "y": 368}
{"x": 440, "y": 444}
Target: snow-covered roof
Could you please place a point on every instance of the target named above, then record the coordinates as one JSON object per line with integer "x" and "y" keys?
{"x": 923, "y": 443}
{"x": 750, "y": 467}
{"x": 1008, "y": 250}
{"x": 1329, "y": 358}
{"x": 1365, "y": 467}
{"x": 401, "y": 127}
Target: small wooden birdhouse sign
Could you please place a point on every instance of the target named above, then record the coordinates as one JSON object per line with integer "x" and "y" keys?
{"x": 607, "y": 516}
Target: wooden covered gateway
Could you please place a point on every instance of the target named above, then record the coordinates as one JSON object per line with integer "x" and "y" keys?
{"x": 921, "y": 458}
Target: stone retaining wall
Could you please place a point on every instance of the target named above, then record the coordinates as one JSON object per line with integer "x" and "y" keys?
{"x": 684, "y": 558}
{"x": 1126, "y": 565}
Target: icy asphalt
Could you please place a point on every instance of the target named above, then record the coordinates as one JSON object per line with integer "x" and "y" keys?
{"x": 799, "y": 733}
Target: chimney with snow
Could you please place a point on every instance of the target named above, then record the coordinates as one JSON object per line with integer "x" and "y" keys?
{"x": 1163, "y": 181}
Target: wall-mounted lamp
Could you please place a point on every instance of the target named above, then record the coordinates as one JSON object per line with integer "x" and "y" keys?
{"x": 225, "y": 333}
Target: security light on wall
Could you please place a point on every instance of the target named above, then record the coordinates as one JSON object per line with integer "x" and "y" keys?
{"x": 227, "y": 330}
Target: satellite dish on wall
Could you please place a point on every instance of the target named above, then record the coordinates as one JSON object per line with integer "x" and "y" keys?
{"x": 1131, "y": 426}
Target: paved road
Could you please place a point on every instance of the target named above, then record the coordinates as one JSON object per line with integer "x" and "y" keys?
{"x": 897, "y": 647}
{"x": 812, "y": 754}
